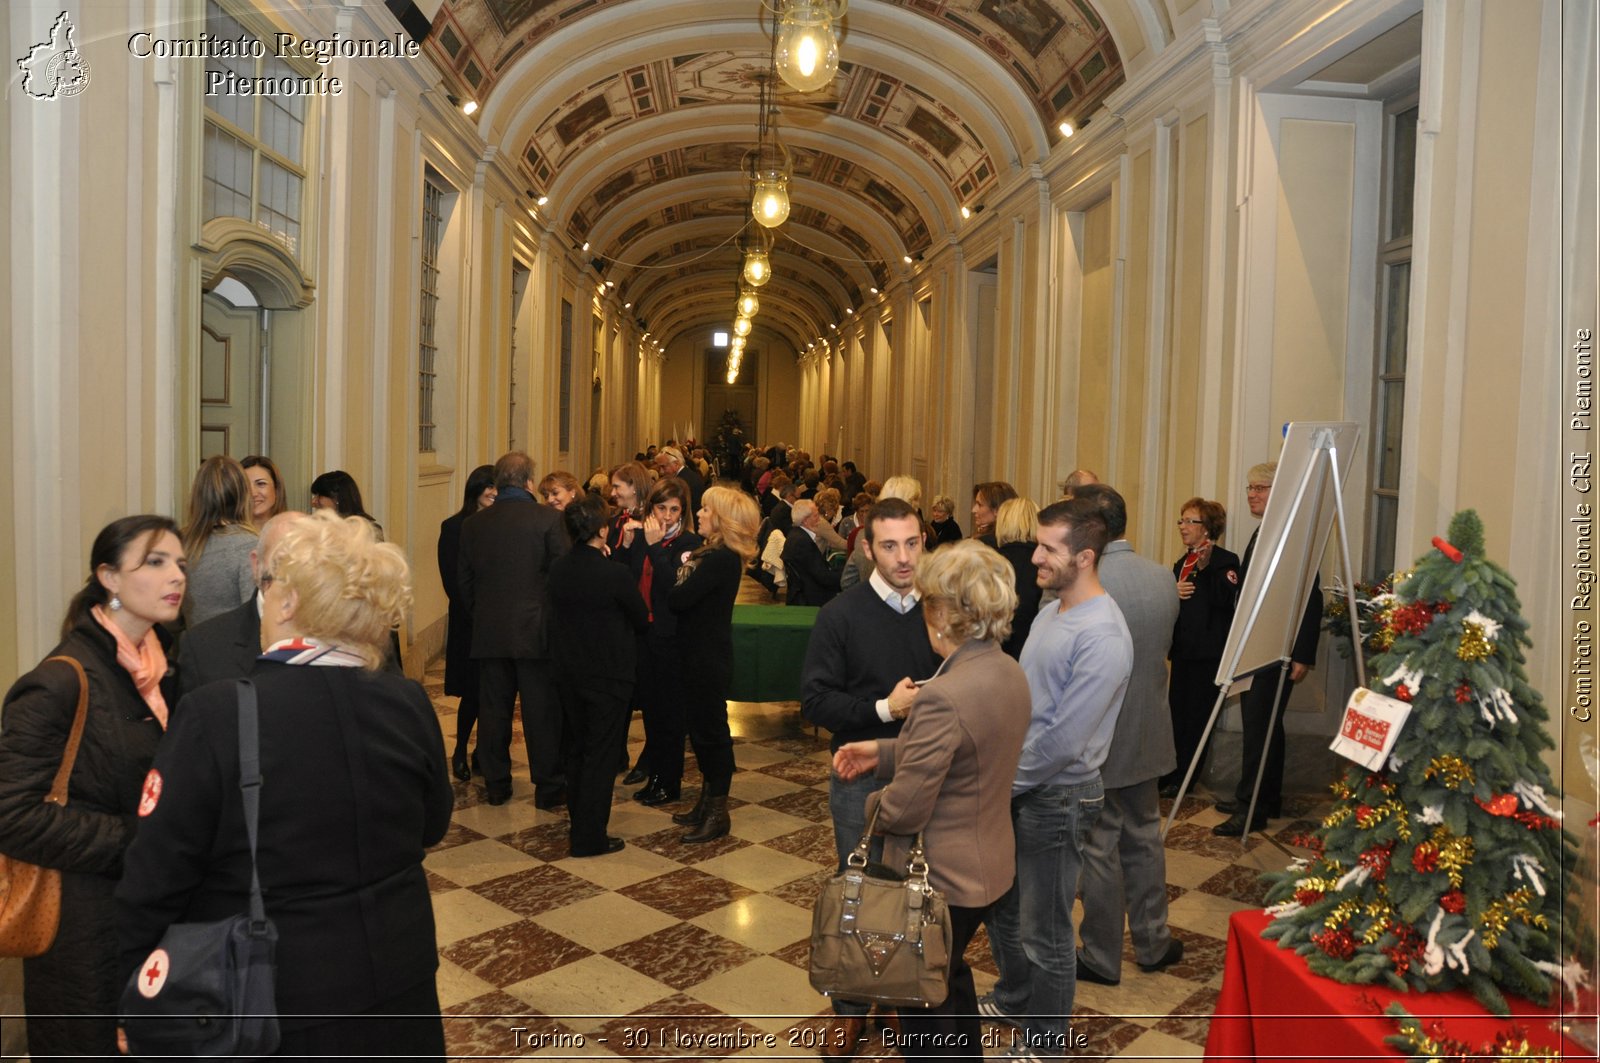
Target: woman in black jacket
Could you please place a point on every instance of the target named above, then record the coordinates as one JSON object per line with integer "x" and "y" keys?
{"x": 659, "y": 543}
{"x": 1208, "y": 587}
{"x": 354, "y": 789}
{"x": 601, "y": 616}
{"x": 703, "y": 596}
{"x": 136, "y": 583}
{"x": 460, "y": 671}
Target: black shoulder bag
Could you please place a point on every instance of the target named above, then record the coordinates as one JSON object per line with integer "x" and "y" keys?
{"x": 208, "y": 989}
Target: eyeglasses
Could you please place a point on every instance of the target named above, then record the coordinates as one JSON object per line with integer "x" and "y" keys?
{"x": 1257, "y": 488}
{"x": 1189, "y": 520}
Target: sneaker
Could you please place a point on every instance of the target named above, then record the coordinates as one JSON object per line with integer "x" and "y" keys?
{"x": 991, "y": 1010}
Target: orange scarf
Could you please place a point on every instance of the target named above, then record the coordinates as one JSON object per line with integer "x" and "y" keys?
{"x": 146, "y": 662}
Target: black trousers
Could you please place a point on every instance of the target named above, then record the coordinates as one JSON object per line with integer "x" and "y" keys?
{"x": 659, "y": 695}
{"x": 1191, "y": 695}
{"x": 501, "y": 680}
{"x": 467, "y": 711}
{"x": 595, "y": 718}
{"x": 1255, "y": 705}
{"x": 952, "y": 1030}
{"x": 706, "y": 713}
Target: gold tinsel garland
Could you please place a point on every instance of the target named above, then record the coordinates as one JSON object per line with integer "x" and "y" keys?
{"x": 1455, "y": 853}
{"x": 1497, "y": 916}
{"x": 1452, "y": 770}
{"x": 1475, "y": 645}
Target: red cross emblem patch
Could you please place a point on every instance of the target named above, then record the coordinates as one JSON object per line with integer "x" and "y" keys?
{"x": 151, "y": 794}
{"x": 153, "y": 974}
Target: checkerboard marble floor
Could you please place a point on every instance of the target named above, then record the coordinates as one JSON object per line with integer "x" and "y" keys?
{"x": 679, "y": 951}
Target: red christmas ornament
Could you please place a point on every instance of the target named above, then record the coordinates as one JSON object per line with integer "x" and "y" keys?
{"x": 1377, "y": 858}
{"x": 1447, "y": 550}
{"x": 1413, "y": 619}
{"x": 1340, "y": 944}
{"x": 1425, "y": 857}
{"x": 1534, "y": 821}
{"x": 1362, "y": 812}
{"x": 1463, "y": 694}
{"x": 1454, "y": 902}
{"x": 1504, "y": 805}
{"x": 1307, "y": 898}
{"x": 1402, "y": 692}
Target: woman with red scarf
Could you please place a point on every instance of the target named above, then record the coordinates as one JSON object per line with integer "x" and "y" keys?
{"x": 1208, "y": 587}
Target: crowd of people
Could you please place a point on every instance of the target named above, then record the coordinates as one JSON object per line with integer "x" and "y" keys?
{"x": 1023, "y": 695}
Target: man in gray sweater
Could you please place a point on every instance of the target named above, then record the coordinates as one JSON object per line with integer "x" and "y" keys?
{"x": 1125, "y": 865}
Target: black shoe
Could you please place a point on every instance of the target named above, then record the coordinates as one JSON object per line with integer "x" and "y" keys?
{"x": 1169, "y": 790}
{"x": 657, "y": 793}
{"x": 1089, "y": 974}
{"x": 613, "y": 845}
{"x": 1233, "y": 826}
{"x": 714, "y": 826}
{"x": 1227, "y": 805}
{"x": 634, "y": 777}
{"x": 498, "y": 795}
{"x": 1173, "y": 954}
{"x": 549, "y": 797}
{"x": 458, "y": 766}
{"x": 476, "y": 768}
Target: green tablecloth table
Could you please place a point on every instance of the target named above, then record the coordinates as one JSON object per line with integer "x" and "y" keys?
{"x": 769, "y": 649}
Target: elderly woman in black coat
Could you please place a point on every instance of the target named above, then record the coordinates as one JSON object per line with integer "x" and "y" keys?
{"x": 1208, "y": 586}
{"x": 136, "y": 583}
{"x": 354, "y": 790}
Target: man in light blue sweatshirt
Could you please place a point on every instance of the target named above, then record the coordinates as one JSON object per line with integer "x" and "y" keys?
{"x": 1078, "y": 658}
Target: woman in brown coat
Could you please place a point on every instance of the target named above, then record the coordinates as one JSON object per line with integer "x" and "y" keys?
{"x": 951, "y": 769}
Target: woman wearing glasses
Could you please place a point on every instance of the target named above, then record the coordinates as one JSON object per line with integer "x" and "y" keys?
{"x": 1208, "y": 585}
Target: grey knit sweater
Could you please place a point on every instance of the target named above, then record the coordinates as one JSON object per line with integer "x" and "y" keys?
{"x": 220, "y": 580}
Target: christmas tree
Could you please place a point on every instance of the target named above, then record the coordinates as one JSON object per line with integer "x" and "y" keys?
{"x": 1448, "y": 867}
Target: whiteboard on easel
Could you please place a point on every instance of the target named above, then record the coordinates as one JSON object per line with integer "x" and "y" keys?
{"x": 1294, "y": 532}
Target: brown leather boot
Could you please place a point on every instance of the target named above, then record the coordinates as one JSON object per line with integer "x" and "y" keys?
{"x": 695, "y": 816}
{"x": 715, "y": 824}
{"x": 844, "y": 1040}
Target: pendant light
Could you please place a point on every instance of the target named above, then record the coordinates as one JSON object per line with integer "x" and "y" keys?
{"x": 806, "y": 50}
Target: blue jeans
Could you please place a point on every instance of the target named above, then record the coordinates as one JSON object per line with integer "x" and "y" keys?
{"x": 1030, "y": 928}
{"x": 847, "y": 804}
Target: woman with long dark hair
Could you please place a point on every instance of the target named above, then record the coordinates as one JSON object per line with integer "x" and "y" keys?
{"x": 267, "y": 496}
{"x": 630, "y": 484}
{"x": 460, "y": 670}
{"x": 113, "y": 630}
{"x": 707, "y": 584}
{"x": 338, "y": 491}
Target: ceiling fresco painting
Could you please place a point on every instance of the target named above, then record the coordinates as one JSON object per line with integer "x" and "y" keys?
{"x": 1057, "y": 55}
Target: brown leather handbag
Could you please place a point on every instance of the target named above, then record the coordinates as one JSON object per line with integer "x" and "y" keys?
{"x": 879, "y": 937}
{"x": 30, "y": 896}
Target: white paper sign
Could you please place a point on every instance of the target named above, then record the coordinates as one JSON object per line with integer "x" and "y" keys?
{"x": 1370, "y": 726}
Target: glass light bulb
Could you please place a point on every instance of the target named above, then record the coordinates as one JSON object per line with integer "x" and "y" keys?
{"x": 741, "y": 326}
{"x": 770, "y": 204}
{"x": 808, "y": 46}
{"x": 757, "y": 271}
{"x": 748, "y": 304}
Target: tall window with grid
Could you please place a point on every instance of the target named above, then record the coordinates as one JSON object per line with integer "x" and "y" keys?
{"x": 254, "y": 157}
{"x": 1394, "y": 299}
{"x": 428, "y": 341}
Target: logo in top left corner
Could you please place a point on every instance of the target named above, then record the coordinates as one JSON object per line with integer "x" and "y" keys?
{"x": 55, "y": 68}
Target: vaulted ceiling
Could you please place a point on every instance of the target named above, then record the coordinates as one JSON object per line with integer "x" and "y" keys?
{"x": 633, "y": 118}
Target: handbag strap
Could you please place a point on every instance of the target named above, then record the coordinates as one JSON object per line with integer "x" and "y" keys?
{"x": 250, "y": 791}
{"x": 916, "y": 857}
{"x": 58, "y": 787}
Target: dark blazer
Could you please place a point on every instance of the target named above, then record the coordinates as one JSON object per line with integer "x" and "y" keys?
{"x": 84, "y": 839}
{"x": 1206, "y": 615}
{"x": 809, "y": 579}
{"x": 1304, "y": 650}
{"x": 697, "y": 488}
{"x": 702, "y": 599}
{"x": 601, "y": 615}
{"x": 224, "y": 647}
{"x": 506, "y": 553}
{"x": 950, "y": 772}
{"x": 458, "y": 625}
{"x": 664, "y": 557}
{"x": 1025, "y": 578}
{"x": 354, "y": 790}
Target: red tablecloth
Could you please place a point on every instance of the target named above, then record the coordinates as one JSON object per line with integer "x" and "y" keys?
{"x": 1272, "y": 1007}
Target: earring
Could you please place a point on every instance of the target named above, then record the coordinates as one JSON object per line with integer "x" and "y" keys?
{"x": 116, "y": 603}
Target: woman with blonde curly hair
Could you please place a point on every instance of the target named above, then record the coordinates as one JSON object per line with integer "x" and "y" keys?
{"x": 950, "y": 769}
{"x": 354, "y": 790}
{"x": 702, "y": 599}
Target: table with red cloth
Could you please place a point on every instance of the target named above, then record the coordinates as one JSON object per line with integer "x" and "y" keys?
{"x": 1272, "y": 1007}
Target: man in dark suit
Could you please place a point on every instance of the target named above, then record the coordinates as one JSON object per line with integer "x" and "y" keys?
{"x": 506, "y": 552}
{"x": 669, "y": 462}
{"x": 1256, "y": 705}
{"x": 809, "y": 579}
{"x": 226, "y": 646}
{"x": 1124, "y": 862}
